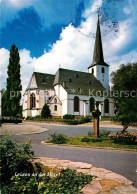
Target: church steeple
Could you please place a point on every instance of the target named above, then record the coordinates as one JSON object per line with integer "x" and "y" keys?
{"x": 98, "y": 67}
{"x": 98, "y": 57}
{"x": 98, "y": 50}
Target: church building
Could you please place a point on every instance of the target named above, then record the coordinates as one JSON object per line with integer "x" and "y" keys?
{"x": 72, "y": 92}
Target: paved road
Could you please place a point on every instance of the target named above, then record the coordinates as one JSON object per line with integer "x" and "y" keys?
{"x": 122, "y": 162}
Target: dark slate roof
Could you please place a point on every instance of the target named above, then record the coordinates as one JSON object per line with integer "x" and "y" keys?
{"x": 98, "y": 57}
{"x": 44, "y": 81}
{"x": 77, "y": 82}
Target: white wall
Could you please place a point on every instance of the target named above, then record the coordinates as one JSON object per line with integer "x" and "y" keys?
{"x": 40, "y": 101}
{"x": 85, "y": 106}
{"x": 63, "y": 96}
{"x": 102, "y": 77}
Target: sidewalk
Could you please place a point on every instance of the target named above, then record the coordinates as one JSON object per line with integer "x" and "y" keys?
{"x": 21, "y": 129}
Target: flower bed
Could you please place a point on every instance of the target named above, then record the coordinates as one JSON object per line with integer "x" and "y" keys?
{"x": 127, "y": 137}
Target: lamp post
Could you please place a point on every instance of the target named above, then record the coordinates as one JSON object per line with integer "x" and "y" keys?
{"x": 96, "y": 114}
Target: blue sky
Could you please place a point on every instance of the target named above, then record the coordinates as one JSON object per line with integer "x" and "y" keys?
{"x": 53, "y": 33}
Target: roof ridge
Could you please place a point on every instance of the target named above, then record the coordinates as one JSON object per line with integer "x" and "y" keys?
{"x": 74, "y": 71}
{"x": 43, "y": 73}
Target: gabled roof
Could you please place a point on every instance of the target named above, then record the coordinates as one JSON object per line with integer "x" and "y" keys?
{"x": 43, "y": 80}
{"x": 98, "y": 57}
{"x": 78, "y": 82}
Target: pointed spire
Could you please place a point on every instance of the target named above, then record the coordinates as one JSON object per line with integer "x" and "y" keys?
{"x": 98, "y": 50}
{"x": 98, "y": 57}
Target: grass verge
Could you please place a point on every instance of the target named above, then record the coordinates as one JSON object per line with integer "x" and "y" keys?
{"x": 101, "y": 142}
{"x": 89, "y": 140}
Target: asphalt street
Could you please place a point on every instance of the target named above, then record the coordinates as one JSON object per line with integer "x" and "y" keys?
{"x": 121, "y": 162}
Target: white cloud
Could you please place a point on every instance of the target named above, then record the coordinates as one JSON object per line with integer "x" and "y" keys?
{"x": 93, "y": 8}
{"x": 27, "y": 66}
{"x": 19, "y": 3}
{"x": 126, "y": 10}
{"x": 74, "y": 50}
{"x": 26, "y": 62}
{"x": 4, "y": 56}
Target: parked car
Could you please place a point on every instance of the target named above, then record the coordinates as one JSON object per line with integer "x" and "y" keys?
{"x": 10, "y": 120}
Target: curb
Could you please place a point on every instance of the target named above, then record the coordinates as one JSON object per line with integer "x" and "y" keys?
{"x": 81, "y": 146}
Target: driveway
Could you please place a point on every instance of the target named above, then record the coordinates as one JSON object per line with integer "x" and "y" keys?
{"x": 121, "y": 162}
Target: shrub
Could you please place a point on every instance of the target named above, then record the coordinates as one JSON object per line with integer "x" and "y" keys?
{"x": 45, "y": 113}
{"x": 90, "y": 134}
{"x": 58, "y": 138}
{"x": 115, "y": 119}
{"x": 126, "y": 137}
{"x": 68, "y": 116}
{"x": 14, "y": 158}
{"x": 86, "y": 119}
{"x": 104, "y": 133}
{"x": 86, "y": 139}
{"x": 17, "y": 159}
{"x": 67, "y": 181}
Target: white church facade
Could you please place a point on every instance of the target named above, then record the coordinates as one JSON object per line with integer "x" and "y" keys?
{"x": 71, "y": 92}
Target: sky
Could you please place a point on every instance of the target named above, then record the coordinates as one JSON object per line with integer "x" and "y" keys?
{"x": 61, "y": 33}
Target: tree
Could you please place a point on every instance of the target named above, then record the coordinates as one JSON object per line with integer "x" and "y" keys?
{"x": 125, "y": 86}
{"x": 13, "y": 89}
{"x": 4, "y": 102}
{"x": 45, "y": 113}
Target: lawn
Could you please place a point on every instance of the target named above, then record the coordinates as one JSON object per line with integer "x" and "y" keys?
{"x": 101, "y": 142}
{"x": 89, "y": 140}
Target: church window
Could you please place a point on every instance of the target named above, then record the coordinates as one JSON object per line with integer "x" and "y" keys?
{"x": 106, "y": 106}
{"x": 92, "y": 104}
{"x": 32, "y": 101}
{"x": 55, "y": 108}
{"x": 70, "y": 80}
{"x": 43, "y": 80}
{"x": 92, "y": 70}
{"x": 103, "y": 70}
{"x": 76, "y": 104}
{"x": 55, "y": 100}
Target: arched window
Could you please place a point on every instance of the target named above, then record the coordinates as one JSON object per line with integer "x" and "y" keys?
{"x": 76, "y": 104}
{"x": 32, "y": 101}
{"x": 92, "y": 70}
{"x": 55, "y": 100}
{"x": 55, "y": 108}
{"x": 103, "y": 70}
{"x": 92, "y": 104}
{"x": 106, "y": 106}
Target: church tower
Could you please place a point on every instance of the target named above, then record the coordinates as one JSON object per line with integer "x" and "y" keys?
{"x": 99, "y": 68}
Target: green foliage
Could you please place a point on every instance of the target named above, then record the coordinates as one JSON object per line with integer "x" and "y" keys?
{"x": 104, "y": 133}
{"x": 45, "y": 113}
{"x": 86, "y": 119}
{"x": 86, "y": 139}
{"x": 125, "y": 82}
{"x": 67, "y": 181}
{"x": 14, "y": 158}
{"x": 58, "y": 138}
{"x": 16, "y": 162}
{"x": 55, "y": 120}
{"x": 90, "y": 134}
{"x": 12, "y": 95}
{"x": 100, "y": 142}
{"x": 68, "y": 116}
{"x": 89, "y": 139}
{"x": 126, "y": 137}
